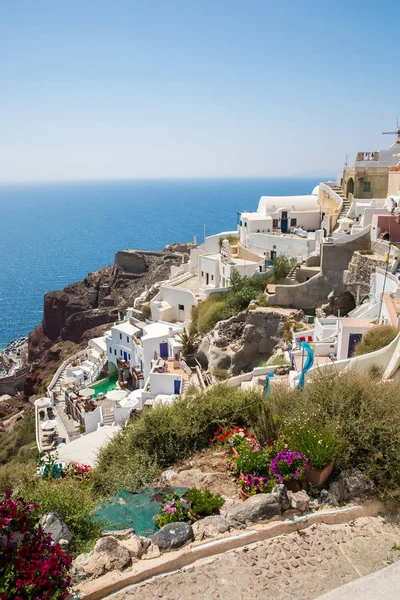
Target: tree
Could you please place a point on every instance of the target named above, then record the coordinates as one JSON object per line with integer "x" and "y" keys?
{"x": 188, "y": 340}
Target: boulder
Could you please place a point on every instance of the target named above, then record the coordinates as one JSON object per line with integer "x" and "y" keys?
{"x": 326, "y": 497}
{"x": 172, "y": 536}
{"x": 53, "y": 523}
{"x": 134, "y": 546}
{"x": 349, "y": 485}
{"x": 210, "y": 527}
{"x": 119, "y": 534}
{"x": 281, "y": 494}
{"x": 150, "y": 550}
{"x": 299, "y": 501}
{"x": 108, "y": 555}
{"x": 260, "y": 507}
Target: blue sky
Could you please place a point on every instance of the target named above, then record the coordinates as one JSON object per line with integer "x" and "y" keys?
{"x": 101, "y": 89}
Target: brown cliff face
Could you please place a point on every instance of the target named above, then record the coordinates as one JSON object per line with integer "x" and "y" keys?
{"x": 69, "y": 314}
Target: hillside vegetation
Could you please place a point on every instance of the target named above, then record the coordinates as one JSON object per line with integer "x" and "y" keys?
{"x": 376, "y": 338}
{"x": 223, "y": 305}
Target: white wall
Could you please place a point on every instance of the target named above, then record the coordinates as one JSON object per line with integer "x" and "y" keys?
{"x": 290, "y": 246}
{"x": 163, "y": 383}
{"x": 344, "y": 337}
{"x": 211, "y": 243}
{"x": 209, "y": 266}
{"x": 93, "y": 419}
{"x": 175, "y": 297}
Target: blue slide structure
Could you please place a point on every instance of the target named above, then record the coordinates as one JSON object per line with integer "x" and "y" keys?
{"x": 268, "y": 382}
{"x": 309, "y": 362}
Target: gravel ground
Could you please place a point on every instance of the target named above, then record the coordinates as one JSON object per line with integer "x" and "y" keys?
{"x": 297, "y": 566}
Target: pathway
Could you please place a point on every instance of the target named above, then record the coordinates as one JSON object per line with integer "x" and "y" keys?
{"x": 296, "y": 566}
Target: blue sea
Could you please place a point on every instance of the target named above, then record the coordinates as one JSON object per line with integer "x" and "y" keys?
{"x": 53, "y": 234}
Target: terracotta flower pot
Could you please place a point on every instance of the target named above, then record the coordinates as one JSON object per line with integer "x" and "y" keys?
{"x": 294, "y": 485}
{"x": 318, "y": 477}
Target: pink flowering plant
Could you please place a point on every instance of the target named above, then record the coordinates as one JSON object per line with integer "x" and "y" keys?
{"x": 288, "y": 465}
{"x": 174, "y": 509}
{"x": 31, "y": 567}
{"x": 80, "y": 472}
{"x": 253, "y": 484}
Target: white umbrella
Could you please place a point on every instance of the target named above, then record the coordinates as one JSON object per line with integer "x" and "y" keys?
{"x": 87, "y": 392}
{"x": 70, "y": 380}
{"x": 116, "y": 395}
{"x": 346, "y": 220}
{"x": 48, "y": 425}
{"x": 129, "y": 402}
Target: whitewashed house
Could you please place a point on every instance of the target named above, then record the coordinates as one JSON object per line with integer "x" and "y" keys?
{"x": 282, "y": 225}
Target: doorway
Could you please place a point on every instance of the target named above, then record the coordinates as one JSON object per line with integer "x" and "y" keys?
{"x": 164, "y": 350}
{"x": 284, "y": 222}
{"x": 354, "y": 338}
{"x": 177, "y": 386}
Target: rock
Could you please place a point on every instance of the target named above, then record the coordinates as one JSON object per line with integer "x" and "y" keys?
{"x": 53, "y": 523}
{"x": 119, "y": 534}
{"x": 172, "y": 536}
{"x": 168, "y": 475}
{"x": 210, "y": 527}
{"x": 260, "y": 507}
{"x": 314, "y": 504}
{"x": 108, "y": 555}
{"x": 326, "y": 497}
{"x": 349, "y": 485}
{"x": 281, "y": 494}
{"x": 151, "y": 551}
{"x": 78, "y": 575}
{"x": 299, "y": 501}
{"x": 134, "y": 546}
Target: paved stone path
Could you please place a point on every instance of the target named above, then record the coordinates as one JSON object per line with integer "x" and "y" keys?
{"x": 296, "y": 566}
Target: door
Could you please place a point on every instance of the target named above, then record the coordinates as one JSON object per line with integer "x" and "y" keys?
{"x": 354, "y": 338}
{"x": 177, "y": 386}
{"x": 125, "y": 356}
{"x": 207, "y": 278}
{"x": 284, "y": 222}
{"x": 273, "y": 255}
{"x": 164, "y": 350}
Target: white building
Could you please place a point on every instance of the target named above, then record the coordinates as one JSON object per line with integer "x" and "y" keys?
{"x": 282, "y": 225}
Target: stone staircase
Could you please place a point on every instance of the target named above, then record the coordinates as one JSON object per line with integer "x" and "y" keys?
{"x": 346, "y": 202}
{"x": 290, "y": 279}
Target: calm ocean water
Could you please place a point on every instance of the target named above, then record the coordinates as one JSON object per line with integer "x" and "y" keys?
{"x": 53, "y": 234}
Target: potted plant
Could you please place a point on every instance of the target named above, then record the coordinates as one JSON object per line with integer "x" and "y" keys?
{"x": 203, "y": 503}
{"x": 251, "y": 458}
{"x": 175, "y": 508}
{"x": 320, "y": 444}
{"x": 230, "y": 436}
{"x": 288, "y": 467}
{"x": 252, "y": 484}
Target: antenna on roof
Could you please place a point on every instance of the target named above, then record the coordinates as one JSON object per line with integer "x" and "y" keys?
{"x": 397, "y": 132}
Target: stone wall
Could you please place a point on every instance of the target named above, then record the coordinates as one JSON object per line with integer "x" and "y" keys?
{"x": 360, "y": 269}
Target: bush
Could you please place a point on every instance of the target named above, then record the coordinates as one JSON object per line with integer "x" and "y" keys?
{"x": 221, "y": 374}
{"x": 204, "y": 503}
{"x": 319, "y": 443}
{"x": 365, "y": 414}
{"x": 168, "y": 433}
{"x": 74, "y": 501}
{"x": 281, "y": 267}
{"x": 375, "y": 339}
{"x": 30, "y": 566}
{"x": 278, "y": 360}
{"x": 146, "y": 310}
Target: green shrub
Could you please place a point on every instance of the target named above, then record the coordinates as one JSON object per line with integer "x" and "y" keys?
{"x": 278, "y": 360}
{"x": 167, "y": 433}
{"x": 204, "y": 503}
{"x": 221, "y": 374}
{"x": 319, "y": 443}
{"x": 281, "y": 267}
{"x": 146, "y": 310}
{"x": 74, "y": 501}
{"x": 364, "y": 413}
{"x": 251, "y": 460}
{"x": 375, "y": 339}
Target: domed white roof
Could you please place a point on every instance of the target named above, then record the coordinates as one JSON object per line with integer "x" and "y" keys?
{"x": 315, "y": 191}
{"x": 274, "y": 204}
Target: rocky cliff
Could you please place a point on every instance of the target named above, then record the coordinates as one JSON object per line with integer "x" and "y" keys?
{"x": 243, "y": 341}
{"x": 85, "y": 308}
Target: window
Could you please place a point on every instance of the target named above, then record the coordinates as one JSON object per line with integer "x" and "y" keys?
{"x": 284, "y": 214}
{"x": 115, "y": 352}
{"x": 202, "y": 273}
{"x": 120, "y": 336}
{"x": 129, "y": 356}
{"x": 240, "y": 223}
{"x": 110, "y": 350}
{"x": 275, "y": 223}
{"x": 212, "y": 277}
{"x": 181, "y": 307}
{"x": 293, "y": 222}
{"x": 245, "y": 223}
{"x": 367, "y": 186}
{"x": 120, "y": 352}
{"x": 127, "y": 339}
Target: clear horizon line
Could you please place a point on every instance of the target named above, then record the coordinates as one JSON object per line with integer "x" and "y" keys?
{"x": 165, "y": 178}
